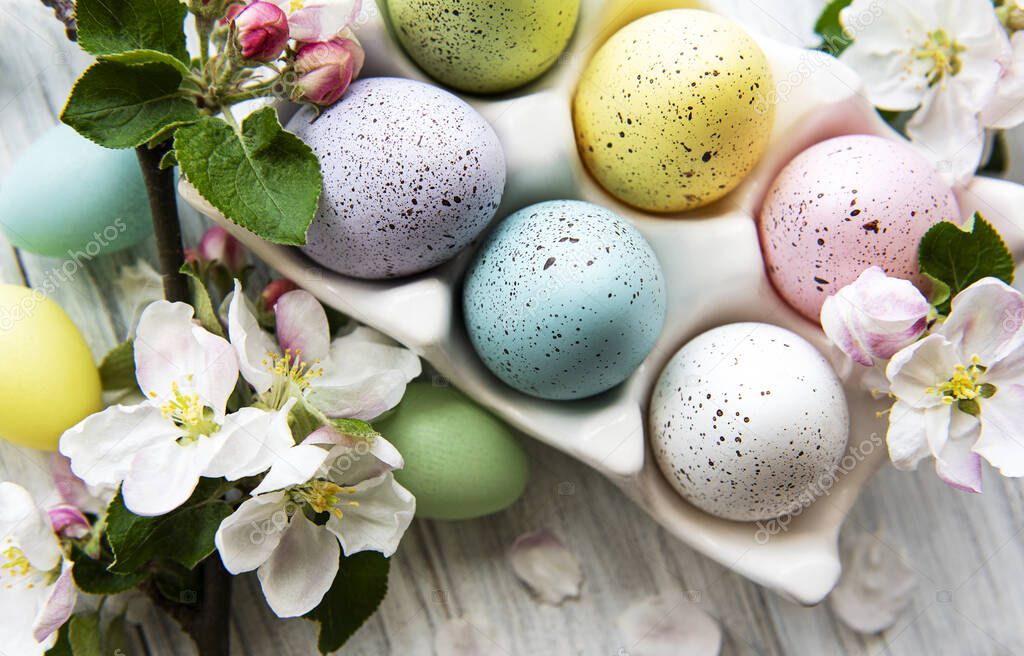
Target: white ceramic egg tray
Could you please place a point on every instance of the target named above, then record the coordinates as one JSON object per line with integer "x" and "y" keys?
{"x": 713, "y": 271}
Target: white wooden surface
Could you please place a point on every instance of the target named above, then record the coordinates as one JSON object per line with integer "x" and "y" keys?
{"x": 967, "y": 551}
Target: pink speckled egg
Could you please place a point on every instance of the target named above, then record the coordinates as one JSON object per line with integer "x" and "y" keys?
{"x": 842, "y": 206}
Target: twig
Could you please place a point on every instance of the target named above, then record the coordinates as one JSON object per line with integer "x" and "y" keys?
{"x": 166, "y": 227}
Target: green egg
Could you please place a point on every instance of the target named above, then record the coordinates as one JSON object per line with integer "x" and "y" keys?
{"x": 67, "y": 197}
{"x": 484, "y": 46}
{"x": 461, "y": 462}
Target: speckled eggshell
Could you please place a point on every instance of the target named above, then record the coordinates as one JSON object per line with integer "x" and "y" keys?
{"x": 564, "y": 300}
{"x": 412, "y": 174}
{"x": 844, "y": 205}
{"x": 484, "y": 46}
{"x": 746, "y": 420}
{"x": 673, "y": 111}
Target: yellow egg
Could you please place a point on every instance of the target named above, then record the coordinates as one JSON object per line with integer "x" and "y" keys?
{"x": 49, "y": 380}
{"x": 674, "y": 110}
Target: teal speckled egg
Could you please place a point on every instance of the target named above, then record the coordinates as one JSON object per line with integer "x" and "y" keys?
{"x": 460, "y": 461}
{"x": 564, "y": 300}
{"x": 484, "y": 46}
{"x": 68, "y": 197}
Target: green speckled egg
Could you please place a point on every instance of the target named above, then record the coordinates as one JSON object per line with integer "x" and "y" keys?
{"x": 68, "y": 197}
{"x": 484, "y": 46}
{"x": 674, "y": 110}
{"x": 460, "y": 461}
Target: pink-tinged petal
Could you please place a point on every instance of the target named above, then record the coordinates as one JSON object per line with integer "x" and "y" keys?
{"x": 302, "y": 326}
{"x": 253, "y": 347}
{"x": 937, "y": 427}
{"x": 247, "y": 537}
{"x": 70, "y": 488}
{"x": 1006, "y": 108}
{"x": 320, "y": 21}
{"x": 102, "y": 446}
{"x": 1002, "y": 430}
{"x": 217, "y": 245}
{"x": 217, "y": 370}
{"x": 69, "y": 522}
{"x": 24, "y": 524}
{"x": 163, "y": 477}
{"x": 835, "y": 323}
{"x": 547, "y": 567}
{"x": 254, "y": 440}
{"x": 165, "y": 349}
{"x": 907, "y": 436}
{"x": 669, "y": 625}
{"x": 57, "y": 608}
{"x": 913, "y": 371}
{"x": 462, "y": 636}
{"x": 959, "y": 467}
{"x": 377, "y": 521}
{"x": 986, "y": 321}
{"x": 301, "y": 570}
{"x": 293, "y": 467}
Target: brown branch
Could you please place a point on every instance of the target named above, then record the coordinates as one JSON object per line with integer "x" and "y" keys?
{"x": 166, "y": 227}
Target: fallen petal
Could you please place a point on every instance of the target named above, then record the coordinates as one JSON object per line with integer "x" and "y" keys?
{"x": 546, "y": 566}
{"x": 463, "y": 637}
{"x": 875, "y": 588}
{"x": 669, "y": 625}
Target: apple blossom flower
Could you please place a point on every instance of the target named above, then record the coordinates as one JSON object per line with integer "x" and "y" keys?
{"x": 946, "y": 61}
{"x": 296, "y": 559}
{"x": 218, "y": 245}
{"x": 36, "y": 589}
{"x": 157, "y": 450}
{"x": 319, "y": 20}
{"x": 874, "y": 316}
{"x": 325, "y": 69}
{"x": 360, "y": 375}
{"x": 960, "y": 390}
{"x": 261, "y": 30}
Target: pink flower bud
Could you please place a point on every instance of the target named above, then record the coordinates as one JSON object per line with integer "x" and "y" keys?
{"x": 325, "y": 69}
{"x": 274, "y": 290}
{"x": 217, "y": 245}
{"x": 874, "y": 316}
{"x": 262, "y": 31}
{"x": 69, "y": 521}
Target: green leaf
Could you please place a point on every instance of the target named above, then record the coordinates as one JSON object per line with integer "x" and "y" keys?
{"x": 85, "y": 636}
{"x": 63, "y": 645}
{"x": 138, "y": 57}
{"x": 266, "y": 180}
{"x": 354, "y": 428}
{"x": 119, "y": 27}
{"x": 201, "y": 301}
{"x": 830, "y": 29}
{"x": 117, "y": 371}
{"x": 168, "y": 160}
{"x": 358, "y": 589}
{"x": 177, "y": 583}
{"x": 93, "y": 577}
{"x": 184, "y": 535}
{"x": 122, "y": 106}
{"x": 960, "y": 257}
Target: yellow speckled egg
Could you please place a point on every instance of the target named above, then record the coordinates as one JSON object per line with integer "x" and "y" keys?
{"x": 672, "y": 112}
{"x": 484, "y": 46}
{"x": 50, "y": 381}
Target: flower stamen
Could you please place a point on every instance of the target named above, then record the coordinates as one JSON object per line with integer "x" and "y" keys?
{"x": 944, "y": 54}
{"x": 189, "y": 413}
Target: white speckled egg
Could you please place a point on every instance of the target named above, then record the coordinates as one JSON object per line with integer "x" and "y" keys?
{"x": 674, "y": 110}
{"x": 484, "y": 46}
{"x": 564, "y": 300}
{"x": 844, "y": 205}
{"x": 746, "y": 420}
{"x": 412, "y": 174}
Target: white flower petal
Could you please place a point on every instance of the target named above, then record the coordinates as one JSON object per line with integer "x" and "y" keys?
{"x": 669, "y": 625}
{"x": 293, "y": 467}
{"x": 884, "y": 27}
{"x": 353, "y": 461}
{"x": 320, "y": 20}
{"x": 380, "y": 519}
{"x": 102, "y": 446}
{"x": 922, "y": 365}
{"x": 957, "y": 465}
{"x": 947, "y": 132}
{"x": 163, "y": 477}
{"x": 895, "y": 83}
{"x": 139, "y": 285}
{"x": 546, "y": 566}
{"x": 875, "y": 588}
{"x": 254, "y": 440}
{"x": 247, "y": 537}
{"x": 907, "y": 436}
{"x": 217, "y": 371}
{"x": 301, "y": 569}
{"x": 1005, "y": 110}
{"x": 57, "y": 608}
{"x": 252, "y": 345}
{"x": 1002, "y": 438}
{"x": 21, "y": 606}
{"x": 302, "y": 325}
{"x": 982, "y": 321}
{"x": 27, "y": 527}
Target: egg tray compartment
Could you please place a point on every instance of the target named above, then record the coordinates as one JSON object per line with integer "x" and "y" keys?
{"x": 714, "y": 275}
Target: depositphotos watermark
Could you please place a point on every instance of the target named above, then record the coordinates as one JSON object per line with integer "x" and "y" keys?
{"x": 822, "y": 487}
{"x": 63, "y": 274}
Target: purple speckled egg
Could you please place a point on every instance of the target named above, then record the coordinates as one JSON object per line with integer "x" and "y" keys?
{"x": 412, "y": 174}
{"x": 844, "y": 205}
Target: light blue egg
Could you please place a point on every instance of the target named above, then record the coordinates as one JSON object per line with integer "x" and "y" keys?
{"x": 564, "y": 300}
{"x": 68, "y": 197}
